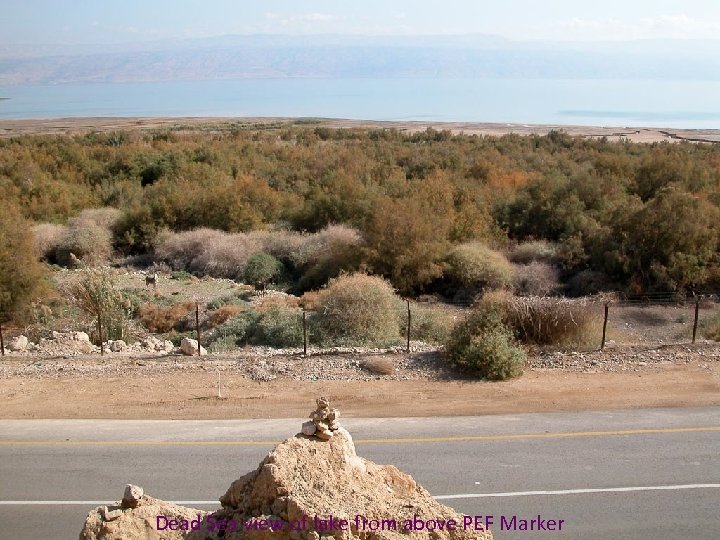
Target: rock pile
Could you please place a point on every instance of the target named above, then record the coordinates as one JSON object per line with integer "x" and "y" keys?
{"x": 306, "y": 488}
{"x": 323, "y": 421}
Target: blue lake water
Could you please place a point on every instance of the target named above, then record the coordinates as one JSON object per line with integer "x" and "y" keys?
{"x": 651, "y": 103}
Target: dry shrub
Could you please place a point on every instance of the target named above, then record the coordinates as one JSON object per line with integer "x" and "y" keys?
{"x": 270, "y": 300}
{"x": 710, "y": 327}
{"x": 535, "y": 279}
{"x": 222, "y": 314}
{"x": 533, "y": 251}
{"x": 325, "y": 254}
{"x": 48, "y": 237}
{"x": 546, "y": 321}
{"x": 206, "y": 252}
{"x": 357, "y": 309}
{"x": 309, "y": 300}
{"x": 85, "y": 240}
{"x": 280, "y": 244}
{"x": 379, "y": 366}
{"x": 160, "y": 320}
{"x": 209, "y": 252}
{"x": 475, "y": 265}
{"x": 104, "y": 217}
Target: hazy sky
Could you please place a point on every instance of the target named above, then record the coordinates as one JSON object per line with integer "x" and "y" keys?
{"x": 104, "y": 21}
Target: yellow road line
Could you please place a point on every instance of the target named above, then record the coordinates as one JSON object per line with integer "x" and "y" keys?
{"x": 398, "y": 440}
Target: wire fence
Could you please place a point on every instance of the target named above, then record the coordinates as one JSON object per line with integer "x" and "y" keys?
{"x": 654, "y": 319}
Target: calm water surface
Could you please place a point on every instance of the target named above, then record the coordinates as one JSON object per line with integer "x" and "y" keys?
{"x": 690, "y": 104}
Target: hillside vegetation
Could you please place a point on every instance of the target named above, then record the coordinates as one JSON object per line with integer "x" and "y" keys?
{"x": 429, "y": 211}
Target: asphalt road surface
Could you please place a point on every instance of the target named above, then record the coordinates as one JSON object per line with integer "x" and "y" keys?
{"x": 636, "y": 474}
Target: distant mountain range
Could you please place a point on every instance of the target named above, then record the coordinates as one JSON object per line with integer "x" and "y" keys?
{"x": 277, "y": 56}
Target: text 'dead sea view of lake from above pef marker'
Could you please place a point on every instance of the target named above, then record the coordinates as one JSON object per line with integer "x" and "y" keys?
{"x": 651, "y": 103}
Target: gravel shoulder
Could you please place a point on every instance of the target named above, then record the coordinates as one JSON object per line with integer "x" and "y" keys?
{"x": 258, "y": 384}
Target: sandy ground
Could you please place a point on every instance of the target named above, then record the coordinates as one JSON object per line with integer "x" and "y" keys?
{"x": 192, "y": 394}
{"x": 9, "y": 128}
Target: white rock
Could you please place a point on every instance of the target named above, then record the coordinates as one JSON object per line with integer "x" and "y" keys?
{"x": 80, "y": 336}
{"x": 19, "y": 343}
{"x": 117, "y": 346}
{"x": 308, "y": 428}
{"x": 189, "y": 347}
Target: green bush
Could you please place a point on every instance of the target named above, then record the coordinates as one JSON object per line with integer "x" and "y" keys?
{"x": 261, "y": 267}
{"x": 237, "y": 331}
{"x": 357, "y": 309}
{"x": 279, "y": 326}
{"x": 477, "y": 266}
{"x": 483, "y": 346}
{"x": 22, "y": 276}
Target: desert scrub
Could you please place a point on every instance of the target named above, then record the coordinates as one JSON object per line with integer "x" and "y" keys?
{"x": 533, "y": 251}
{"x": 430, "y": 324}
{"x": 279, "y": 326}
{"x": 710, "y": 327}
{"x": 476, "y": 265}
{"x": 484, "y": 346}
{"x": 236, "y": 331}
{"x": 357, "y": 309}
{"x": 537, "y": 320}
{"x": 535, "y": 279}
{"x": 48, "y": 237}
{"x": 160, "y": 320}
{"x": 261, "y": 267}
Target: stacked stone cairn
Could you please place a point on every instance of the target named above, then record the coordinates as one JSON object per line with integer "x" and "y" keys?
{"x": 323, "y": 421}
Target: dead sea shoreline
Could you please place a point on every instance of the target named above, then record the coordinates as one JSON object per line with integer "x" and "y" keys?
{"x": 78, "y": 125}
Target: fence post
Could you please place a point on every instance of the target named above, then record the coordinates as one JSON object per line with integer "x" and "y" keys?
{"x": 408, "y": 328}
{"x": 607, "y": 309}
{"x": 2, "y": 340}
{"x": 197, "y": 325}
{"x": 695, "y": 323}
{"x": 100, "y": 336}
{"x": 304, "y": 332}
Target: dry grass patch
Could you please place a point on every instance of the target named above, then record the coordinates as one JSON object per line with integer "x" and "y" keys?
{"x": 160, "y": 320}
{"x": 547, "y": 321}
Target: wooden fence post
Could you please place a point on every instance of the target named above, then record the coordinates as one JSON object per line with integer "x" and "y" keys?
{"x": 695, "y": 323}
{"x": 408, "y": 328}
{"x": 100, "y": 336}
{"x": 304, "y": 332}
{"x": 607, "y": 309}
{"x": 2, "y": 340}
{"x": 197, "y": 324}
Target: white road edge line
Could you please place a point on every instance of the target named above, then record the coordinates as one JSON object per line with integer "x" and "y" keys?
{"x": 577, "y": 491}
{"x": 438, "y": 497}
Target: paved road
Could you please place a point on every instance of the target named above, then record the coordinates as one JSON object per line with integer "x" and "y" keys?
{"x": 622, "y": 474}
